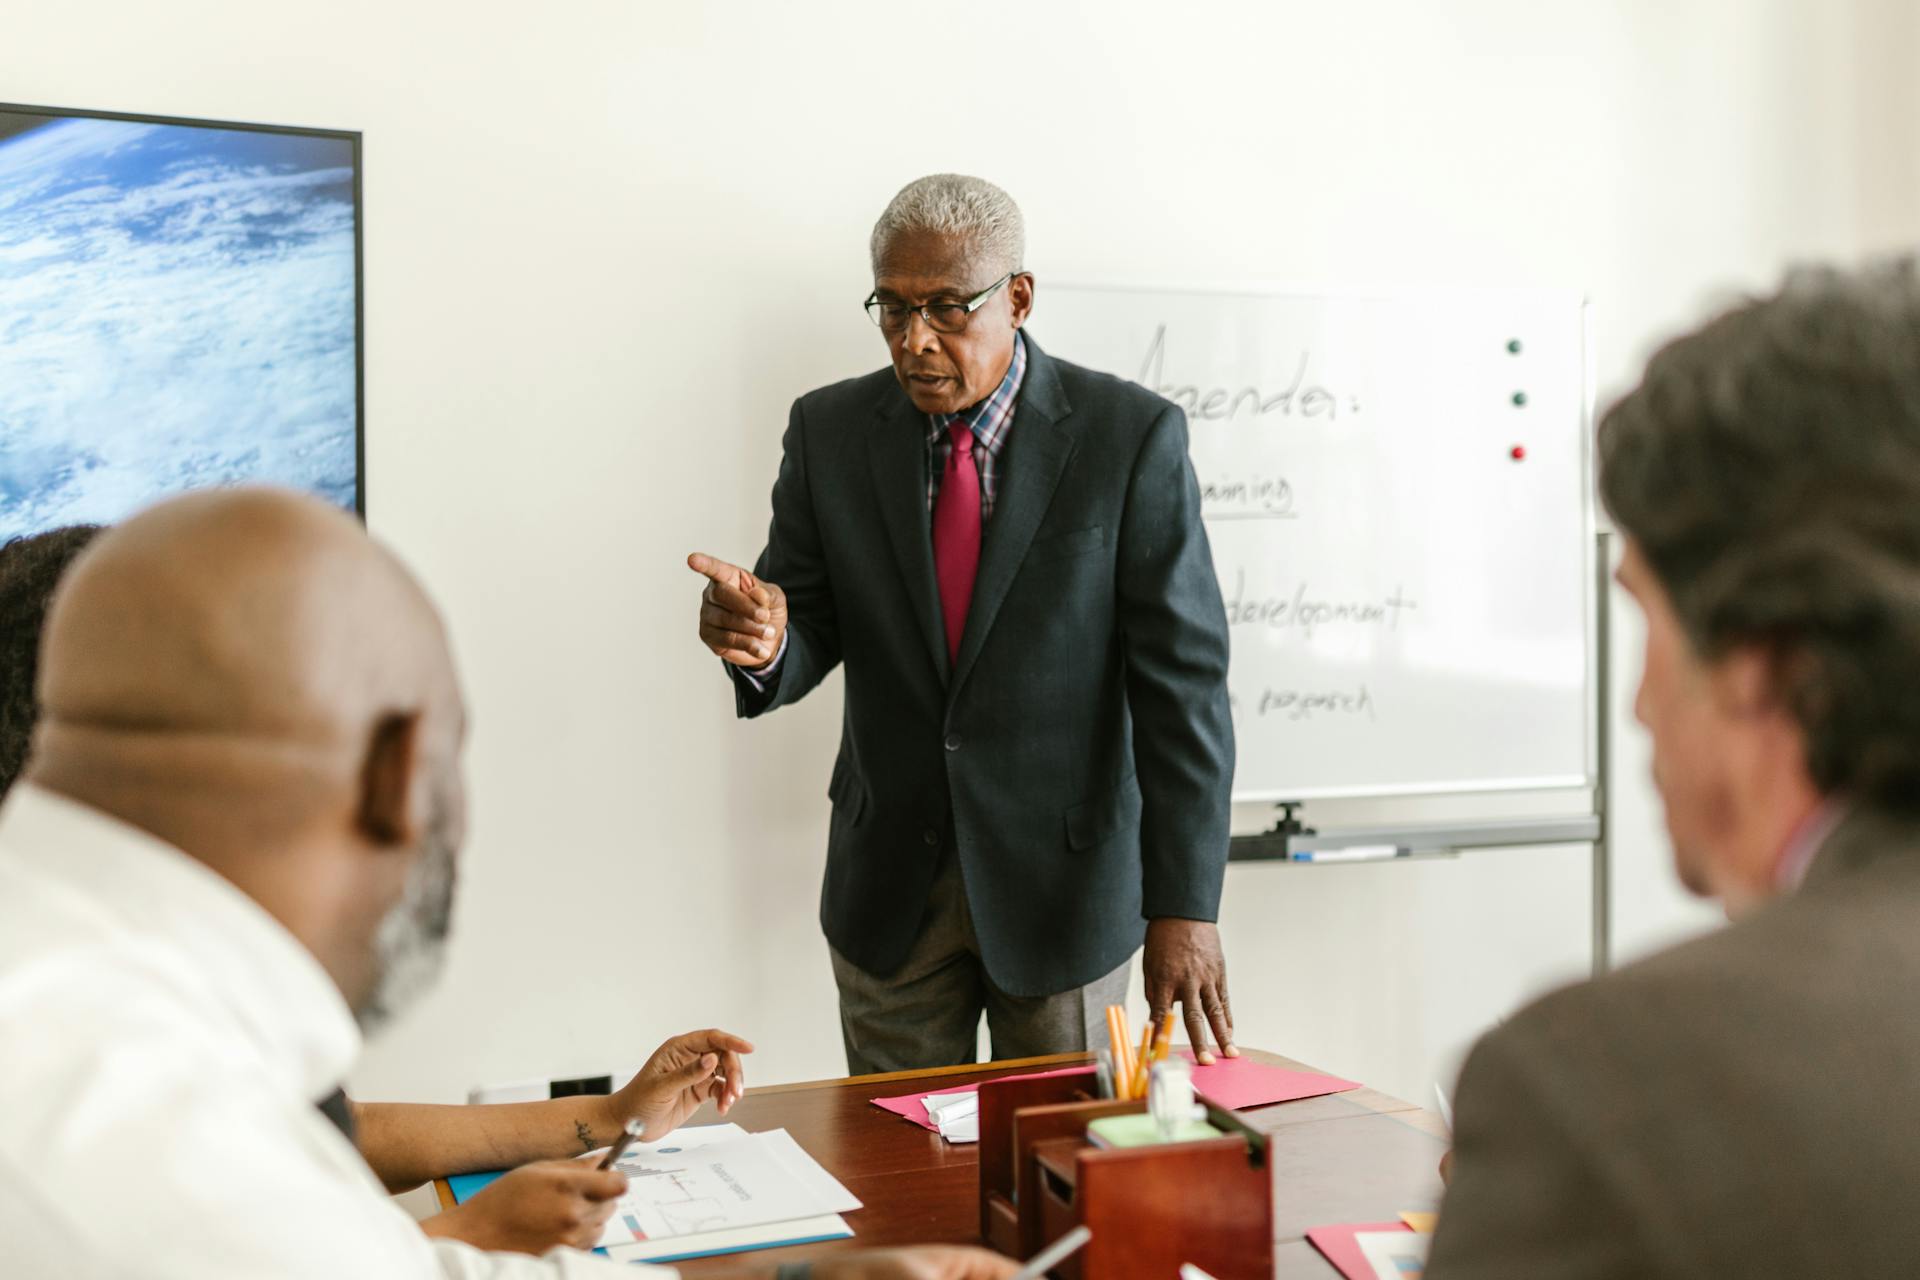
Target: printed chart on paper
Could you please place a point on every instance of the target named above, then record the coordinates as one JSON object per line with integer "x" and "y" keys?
{"x": 690, "y": 1188}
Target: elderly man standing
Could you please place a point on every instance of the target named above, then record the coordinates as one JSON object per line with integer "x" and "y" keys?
{"x": 1744, "y": 1105}
{"x": 1036, "y": 758}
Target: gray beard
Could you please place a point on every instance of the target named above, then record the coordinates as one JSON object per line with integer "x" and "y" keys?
{"x": 410, "y": 943}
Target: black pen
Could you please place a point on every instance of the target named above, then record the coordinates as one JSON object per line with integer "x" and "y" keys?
{"x": 621, "y": 1143}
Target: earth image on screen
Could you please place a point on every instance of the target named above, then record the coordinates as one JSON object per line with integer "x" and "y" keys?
{"x": 177, "y": 311}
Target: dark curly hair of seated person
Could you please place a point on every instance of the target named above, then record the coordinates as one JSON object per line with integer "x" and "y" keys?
{"x": 30, "y": 569}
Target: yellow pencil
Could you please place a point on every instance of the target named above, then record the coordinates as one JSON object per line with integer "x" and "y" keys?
{"x": 1122, "y": 1078}
{"x": 1126, "y": 1051}
{"x": 1146, "y": 1059}
{"x": 1163, "y": 1042}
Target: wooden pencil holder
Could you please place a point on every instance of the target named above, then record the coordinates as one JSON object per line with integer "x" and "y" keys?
{"x": 1150, "y": 1208}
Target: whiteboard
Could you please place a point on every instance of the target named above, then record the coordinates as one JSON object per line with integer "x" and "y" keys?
{"x": 1396, "y": 489}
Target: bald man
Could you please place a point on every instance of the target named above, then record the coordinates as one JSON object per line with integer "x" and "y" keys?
{"x": 234, "y": 851}
{"x": 543, "y": 1200}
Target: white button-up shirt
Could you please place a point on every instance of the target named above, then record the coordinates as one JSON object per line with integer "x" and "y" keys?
{"x": 162, "y": 1044}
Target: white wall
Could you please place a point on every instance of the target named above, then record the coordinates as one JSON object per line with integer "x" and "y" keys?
{"x": 608, "y": 241}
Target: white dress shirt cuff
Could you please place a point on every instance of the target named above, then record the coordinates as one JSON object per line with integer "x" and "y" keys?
{"x": 759, "y": 675}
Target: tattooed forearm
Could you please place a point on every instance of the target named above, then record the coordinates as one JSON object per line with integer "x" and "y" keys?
{"x": 583, "y": 1131}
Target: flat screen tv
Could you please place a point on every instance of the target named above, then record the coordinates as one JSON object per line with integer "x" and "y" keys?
{"x": 179, "y": 308}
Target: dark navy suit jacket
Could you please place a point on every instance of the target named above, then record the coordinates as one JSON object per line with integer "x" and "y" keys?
{"x": 1079, "y": 752}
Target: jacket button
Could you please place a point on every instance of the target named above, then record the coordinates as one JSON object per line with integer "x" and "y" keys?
{"x": 931, "y": 836}
{"x": 953, "y": 742}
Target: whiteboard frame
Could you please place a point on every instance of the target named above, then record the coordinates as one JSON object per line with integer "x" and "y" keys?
{"x": 1596, "y": 641}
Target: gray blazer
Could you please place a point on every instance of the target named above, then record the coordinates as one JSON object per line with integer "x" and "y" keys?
{"x": 1747, "y": 1104}
{"x": 1079, "y": 753}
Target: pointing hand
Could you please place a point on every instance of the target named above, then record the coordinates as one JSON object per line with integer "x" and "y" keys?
{"x": 742, "y": 620}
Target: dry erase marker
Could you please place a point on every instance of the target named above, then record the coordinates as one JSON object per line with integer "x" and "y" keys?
{"x": 1054, "y": 1254}
{"x": 621, "y": 1143}
{"x": 1353, "y": 853}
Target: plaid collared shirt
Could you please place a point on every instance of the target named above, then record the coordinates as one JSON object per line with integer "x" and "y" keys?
{"x": 989, "y": 421}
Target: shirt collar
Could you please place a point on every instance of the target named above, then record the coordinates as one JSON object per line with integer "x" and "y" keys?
{"x": 988, "y": 420}
{"x": 158, "y": 900}
{"x": 1804, "y": 845}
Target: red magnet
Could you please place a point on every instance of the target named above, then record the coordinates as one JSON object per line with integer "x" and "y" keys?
{"x": 1518, "y": 453}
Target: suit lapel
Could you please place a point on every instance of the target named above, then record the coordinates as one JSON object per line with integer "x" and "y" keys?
{"x": 1038, "y": 448}
{"x": 896, "y": 455}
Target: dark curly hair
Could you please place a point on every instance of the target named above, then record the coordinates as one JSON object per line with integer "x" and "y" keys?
{"x": 30, "y": 568}
{"x": 1768, "y": 468}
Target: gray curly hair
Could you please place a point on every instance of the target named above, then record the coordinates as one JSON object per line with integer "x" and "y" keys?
{"x": 1768, "y": 466}
{"x": 956, "y": 205}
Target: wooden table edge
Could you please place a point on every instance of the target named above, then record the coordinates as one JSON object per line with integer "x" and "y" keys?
{"x": 443, "y": 1189}
{"x": 929, "y": 1073}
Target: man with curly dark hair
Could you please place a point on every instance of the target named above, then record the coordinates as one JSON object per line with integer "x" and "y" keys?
{"x": 29, "y": 569}
{"x": 1744, "y": 1104}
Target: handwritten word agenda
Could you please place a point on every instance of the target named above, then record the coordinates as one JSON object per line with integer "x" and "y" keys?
{"x": 1219, "y": 404}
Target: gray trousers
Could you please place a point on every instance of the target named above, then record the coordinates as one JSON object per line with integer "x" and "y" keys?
{"x": 927, "y": 1014}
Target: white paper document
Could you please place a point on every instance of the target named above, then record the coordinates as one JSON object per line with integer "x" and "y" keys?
{"x": 956, "y": 1115}
{"x": 1395, "y": 1255}
{"x": 699, "y": 1135}
{"x": 769, "y": 1235}
{"x": 717, "y": 1178}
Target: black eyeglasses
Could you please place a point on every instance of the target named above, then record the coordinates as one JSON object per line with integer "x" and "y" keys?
{"x": 941, "y": 317}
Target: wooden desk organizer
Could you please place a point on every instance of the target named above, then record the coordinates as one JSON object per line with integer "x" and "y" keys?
{"x": 1149, "y": 1208}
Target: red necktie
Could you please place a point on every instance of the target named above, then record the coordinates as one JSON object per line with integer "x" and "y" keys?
{"x": 956, "y": 534}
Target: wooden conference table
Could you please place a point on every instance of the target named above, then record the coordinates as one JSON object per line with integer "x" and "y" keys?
{"x": 1359, "y": 1156}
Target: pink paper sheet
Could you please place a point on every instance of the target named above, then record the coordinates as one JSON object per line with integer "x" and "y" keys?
{"x": 1338, "y": 1246}
{"x": 911, "y": 1106}
{"x": 1240, "y": 1083}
